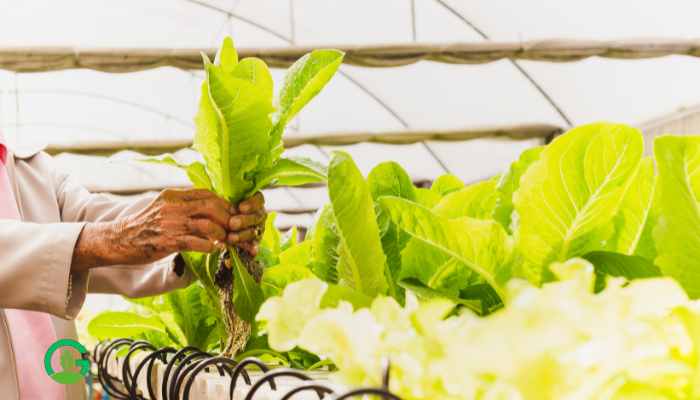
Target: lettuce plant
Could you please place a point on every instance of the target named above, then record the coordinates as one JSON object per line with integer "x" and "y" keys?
{"x": 557, "y": 341}
{"x": 239, "y": 131}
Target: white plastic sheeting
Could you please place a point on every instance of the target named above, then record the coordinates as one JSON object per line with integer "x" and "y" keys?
{"x": 62, "y": 106}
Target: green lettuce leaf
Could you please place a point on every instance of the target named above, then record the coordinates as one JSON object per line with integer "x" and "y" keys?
{"x": 337, "y": 293}
{"x": 427, "y": 293}
{"x": 390, "y": 179}
{"x": 509, "y": 183}
{"x": 196, "y": 171}
{"x": 304, "y": 80}
{"x": 445, "y": 184}
{"x": 427, "y": 198}
{"x": 634, "y": 210}
{"x": 568, "y": 197}
{"x": 247, "y": 294}
{"x": 195, "y": 317}
{"x": 436, "y": 269}
{"x": 324, "y": 245}
{"x": 483, "y": 246}
{"x": 620, "y": 265}
{"x": 676, "y": 233}
{"x": 233, "y": 122}
{"x": 276, "y": 278}
{"x": 477, "y": 200}
{"x": 292, "y": 172}
{"x": 362, "y": 260}
{"x": 118, "y": 324}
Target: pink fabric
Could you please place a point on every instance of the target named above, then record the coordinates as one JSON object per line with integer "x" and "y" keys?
{"x": 32, "y": 332}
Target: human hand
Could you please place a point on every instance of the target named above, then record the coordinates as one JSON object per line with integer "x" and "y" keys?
{"x": 247, "y": 223}
{"x": 175, "y": 221}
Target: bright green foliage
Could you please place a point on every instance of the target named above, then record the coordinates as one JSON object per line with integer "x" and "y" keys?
{"x": 389, "y": 179}
{"x": 509, "y": 182}
{"x": 184, "y": 317}
{"x": 567, "y": 197}
{"x": 482, "y": 246}
{"x": 676, "y": 233}
{"x": 303, "y": 82}
{"x": 634, "y": 210}
{"x": 476, "y": 201}
{"x": 324, "y": 251}
{"x": 115, "y": 324}
{"x": 560, "y": 341}
{"x": 238, "y": 135}
{"x": 446, "y": 184}
{"x": 620, "y": 265}
{"x": 388, "y": 269}
{"x": 361, "y": 263}
{"x": 240, "y": 140}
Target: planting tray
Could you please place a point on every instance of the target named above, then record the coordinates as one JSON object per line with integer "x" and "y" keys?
{"x": 136, "y": 370}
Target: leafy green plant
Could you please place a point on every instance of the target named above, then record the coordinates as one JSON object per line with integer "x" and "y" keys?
{"x": 184, "y": 317}
{"x": 239, "y": 136}
{"x": 558, "y": 341}
{"x": 588, "y": 209}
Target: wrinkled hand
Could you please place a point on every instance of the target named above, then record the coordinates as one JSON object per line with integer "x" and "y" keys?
{"x": 176, "y": 221}
{"x": 247, "y": 224}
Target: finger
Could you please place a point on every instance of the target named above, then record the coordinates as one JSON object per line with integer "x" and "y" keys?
{"x": 187, "y": 194}
{"x": 194, "y": 243}
{"x": 250, "y": 247}
{"x": 240, "y": 237}
{"x": 206, "y": 229}
{"x": 254, "y": 203}
{"x": 214, "y": 209}
{"x": 243, "y": 221}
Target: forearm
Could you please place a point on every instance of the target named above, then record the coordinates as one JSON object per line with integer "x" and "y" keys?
{"x": 95, "y": 247}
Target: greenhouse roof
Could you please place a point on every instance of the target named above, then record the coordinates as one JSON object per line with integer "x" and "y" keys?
{"x": 491, "y": 78}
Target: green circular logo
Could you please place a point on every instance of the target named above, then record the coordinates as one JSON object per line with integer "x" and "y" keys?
{"x": 73, "y": 368}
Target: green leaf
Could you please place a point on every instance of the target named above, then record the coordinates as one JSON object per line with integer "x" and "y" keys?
{"x": 676, "y": 233}
{"x": 481, "y": 245}
{"x": 192, "y": 315}
{"x": 568, "y": 197}
{"x": 336, "y": 293}
{"x": 620, "y": 265}
{"x": 445, "y": 184}
{"x": 292, "y": 172}
{"x": 426, "y": 293}
{"x": 304, "y": 80}
{"x": 477, "y": 200}
{"x": 363, "y": 259}
{"x": 509, "y": 184}
{"x": 117, "y": 324}
{"x": 299, "y": 254}
{"x": 291, "y": 239}
{"x": 233, "y": 124}
{"x": 427, "y": 198}
{"x": 389, "y": 179}
{"x": 434, "y": 268}
{"x": 634, "y": 210}
{"x": 271, "y": 239}
{"x": 276, "y": 278}
{"x": 196, "y": 171}
{"x": 227, "y": 56}
{"x": 324, "y": 246}
{"x": 247, "y": 294}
